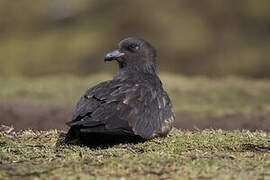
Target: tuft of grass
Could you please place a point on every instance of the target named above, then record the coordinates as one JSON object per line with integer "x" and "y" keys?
{"x": 208, "y": 154}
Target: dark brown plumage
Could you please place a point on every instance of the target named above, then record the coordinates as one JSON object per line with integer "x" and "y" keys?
{"x": 132, "y": 105}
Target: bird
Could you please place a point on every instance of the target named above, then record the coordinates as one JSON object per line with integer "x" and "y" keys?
{"x": 133, "y": 105}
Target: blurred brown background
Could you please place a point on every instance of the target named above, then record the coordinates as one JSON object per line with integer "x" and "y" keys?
{"x": 210, "y": 37}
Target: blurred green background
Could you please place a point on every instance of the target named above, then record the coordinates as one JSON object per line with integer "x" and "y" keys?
{"x": 211, "y": 37}
{"x": 52, "y": 50}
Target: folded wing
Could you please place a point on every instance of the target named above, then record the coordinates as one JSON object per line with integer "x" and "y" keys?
{"x": 115, "y": 107}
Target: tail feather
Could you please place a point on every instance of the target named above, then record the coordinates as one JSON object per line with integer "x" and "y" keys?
{"x": 99, "y": 136}
{"x": 73, "y": 136}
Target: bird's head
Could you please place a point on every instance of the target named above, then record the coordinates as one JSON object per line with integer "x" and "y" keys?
{"x": 133, "y": 52}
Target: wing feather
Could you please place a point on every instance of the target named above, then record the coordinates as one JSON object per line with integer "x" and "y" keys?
{"x": 124, "y": 105}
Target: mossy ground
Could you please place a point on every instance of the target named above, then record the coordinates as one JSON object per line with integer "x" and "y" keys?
{"x": 207, "y": 154}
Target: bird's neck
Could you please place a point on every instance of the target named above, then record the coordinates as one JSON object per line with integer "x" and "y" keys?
{"x": 141, "y": 68}
{"x": 137, "y": 69}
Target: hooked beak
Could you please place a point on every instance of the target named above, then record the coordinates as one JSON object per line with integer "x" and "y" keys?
{"x": 113, "y": 55}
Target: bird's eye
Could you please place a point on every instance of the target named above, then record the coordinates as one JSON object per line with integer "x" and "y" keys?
{"x": 133, "y": 47}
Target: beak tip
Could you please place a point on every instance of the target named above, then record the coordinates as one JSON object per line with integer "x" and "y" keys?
{"x": 108, "y": 58}
{"x": 113, "y": 55}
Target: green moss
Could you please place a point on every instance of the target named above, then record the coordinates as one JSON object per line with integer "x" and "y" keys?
{"x": 189, "y": 155}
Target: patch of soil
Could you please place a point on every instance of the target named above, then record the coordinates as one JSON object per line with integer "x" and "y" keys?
{"x": 255, "y": 121}
{"x": 43, "y": 117}
{"x": 40, "y": 117}
{"x": 255, "y": 148}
